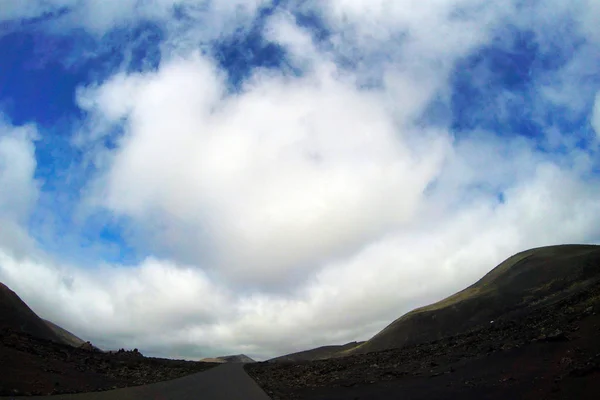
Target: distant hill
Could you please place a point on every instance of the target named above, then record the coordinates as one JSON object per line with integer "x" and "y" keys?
{"x": 520, "y": 285}
{"x": 319, "y": 353}
{"x": 16, "y": 316}
{"x": 239, "y": 358}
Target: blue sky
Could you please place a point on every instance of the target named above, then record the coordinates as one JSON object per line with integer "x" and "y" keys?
{"x": 265, "y": 148}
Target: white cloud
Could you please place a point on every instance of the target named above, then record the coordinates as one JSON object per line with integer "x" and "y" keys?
{"x": 18, "y": 188}
{"x": 174, "y": 309}
{"x": 17, "y": 166}
{"x": 281, "y": 28}
{"x": 437, "y": 256}
{"x": 112, "y": 304}
{"x": 596, "y": 116}
{"x": 286, "y": 174}
{"x": 301, "y": 210}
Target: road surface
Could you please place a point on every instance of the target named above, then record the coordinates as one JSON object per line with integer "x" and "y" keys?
{"x": 225, "y": 382}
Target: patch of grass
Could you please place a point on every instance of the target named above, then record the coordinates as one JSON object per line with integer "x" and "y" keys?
{"x": 349, "y": 351}
{"x": 450, "y": 300}
{"x": 484, "y": 285}
{"x": 480, "y": 287}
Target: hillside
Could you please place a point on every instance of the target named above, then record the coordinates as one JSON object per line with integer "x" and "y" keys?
{"x": 40, "y": 358}
{"x": 15, "y": 315}
{"x": 520, "y": 285}
{"x": 527, "y": 329}
{"x": 318, "y": 353}
{"x": 65, "y": 336}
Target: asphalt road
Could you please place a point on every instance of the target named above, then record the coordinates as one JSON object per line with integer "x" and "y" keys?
{"x": 225, "y": 382}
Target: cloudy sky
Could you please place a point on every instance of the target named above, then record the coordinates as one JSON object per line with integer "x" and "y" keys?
{"x": 205, "y": 177}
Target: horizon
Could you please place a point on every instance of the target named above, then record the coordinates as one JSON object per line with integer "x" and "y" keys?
{"x": 202, "y": 178}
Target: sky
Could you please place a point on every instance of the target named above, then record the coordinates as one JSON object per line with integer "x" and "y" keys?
{"x": 196, "y": 178}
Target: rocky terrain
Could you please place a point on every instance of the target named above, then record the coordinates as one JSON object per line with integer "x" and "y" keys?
{"x": 542, "y": 343}
{"x": 34, "y": 366}
{"x": 38, "y": 357}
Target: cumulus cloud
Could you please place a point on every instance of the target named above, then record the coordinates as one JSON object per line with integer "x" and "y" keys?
{"x": 19, "y": 190}
{"x": 263, "y": 173}
{"x": 310, "y": 206}
{"x": 18, "y": 166}
{"x": 130, "y": 305}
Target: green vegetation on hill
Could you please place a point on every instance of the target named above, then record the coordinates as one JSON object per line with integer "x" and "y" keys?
{"x": 319, "y": 353}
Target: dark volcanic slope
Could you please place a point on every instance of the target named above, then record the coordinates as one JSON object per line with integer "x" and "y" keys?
{"x": 319, "y": 353}
{"x": 521, "y": 284}
{"x": 66, "y": 336}
{"x": 17, "y": 316}
{"x": 543, "y": 343}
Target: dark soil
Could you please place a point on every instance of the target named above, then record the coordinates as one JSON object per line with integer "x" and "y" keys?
{"x": 551, "y": 352}
{"x": 33, "y": 366}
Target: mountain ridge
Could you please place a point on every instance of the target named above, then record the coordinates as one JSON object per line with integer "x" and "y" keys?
{"x": 530, "y": 278}
{"x": 534, "y": 277}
